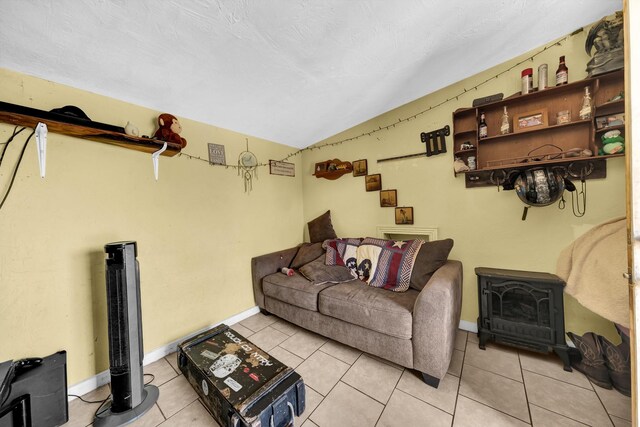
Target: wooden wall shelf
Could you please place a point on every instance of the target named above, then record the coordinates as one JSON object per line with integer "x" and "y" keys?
{"x": 332, "y": 169}
{"x": 29, "y": 117}
{"x": 506, "y": 152}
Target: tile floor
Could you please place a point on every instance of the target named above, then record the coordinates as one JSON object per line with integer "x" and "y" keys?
{"x": 345, "y": 387}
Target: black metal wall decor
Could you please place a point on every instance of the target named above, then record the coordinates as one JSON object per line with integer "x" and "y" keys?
{"x": 435, "y": 141}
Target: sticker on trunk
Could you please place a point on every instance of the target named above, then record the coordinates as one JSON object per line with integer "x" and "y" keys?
{"x": 235, "y": 386}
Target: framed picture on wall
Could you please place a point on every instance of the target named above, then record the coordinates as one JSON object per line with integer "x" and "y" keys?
{"x": 388, "y": 198}
{"x": 404, "y": 215}
{"x": 373, "y": 182}
{"x": 360, "y": 167}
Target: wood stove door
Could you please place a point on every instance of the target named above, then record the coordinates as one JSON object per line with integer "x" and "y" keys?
{"x": 519, "y": 310}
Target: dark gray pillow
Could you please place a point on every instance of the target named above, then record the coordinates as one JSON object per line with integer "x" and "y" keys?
{"x": 307, "y": 253}
{"x": 319, "y": 273}
{"x": 321, "y": 229}
{"x": 431, "y": 256}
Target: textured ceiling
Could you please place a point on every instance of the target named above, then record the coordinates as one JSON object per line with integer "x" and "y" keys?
{"x": 293, "y": 72}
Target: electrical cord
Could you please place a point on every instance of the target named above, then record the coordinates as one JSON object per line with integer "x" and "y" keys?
{"x": 101, "y": 409}
{"x": 15, "y": 171}
{"x": 6, "y": 144}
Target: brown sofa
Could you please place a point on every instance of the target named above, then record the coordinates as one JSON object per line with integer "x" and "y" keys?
{"x": 415, "y": 329}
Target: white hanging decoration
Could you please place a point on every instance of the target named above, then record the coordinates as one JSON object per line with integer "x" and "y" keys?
{"x": 248, "y": 167}
{"x": 154, "y": 158}
{"x": 41, "y": 143}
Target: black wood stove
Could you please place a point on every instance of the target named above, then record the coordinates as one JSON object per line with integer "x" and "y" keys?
{"x": 523, "y": 309}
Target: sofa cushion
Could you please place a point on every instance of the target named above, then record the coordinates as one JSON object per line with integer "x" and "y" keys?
{"x": 321, "y": 229}
{"x": 432, "y": 256}
{"x": 307, "y": 252}
{"x": 376, "y": 309}
{"x": 294, "y": 290}
{"x": 388, "y": 264}
{"x": 319, "y": 273}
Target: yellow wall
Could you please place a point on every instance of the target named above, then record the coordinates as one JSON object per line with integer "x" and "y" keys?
{"x": 196, "y": 230}
{"x": 484, "y": 223}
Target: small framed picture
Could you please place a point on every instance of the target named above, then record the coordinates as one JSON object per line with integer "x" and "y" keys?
{"x": 530, "y": 120}
{"x": 373, "y": 182}
{"x": 388, "y": 198}
{"x": 404, "y": 215}
{"x": 321, "y": 167}
{"x": 216, "y": 154}
{"x": 360, "y": 167}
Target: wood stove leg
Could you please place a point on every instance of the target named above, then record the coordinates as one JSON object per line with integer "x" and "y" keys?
{"x": 563, "y": 353}
{"x": 483, "y": 337}
{"x": 429, "y": 380}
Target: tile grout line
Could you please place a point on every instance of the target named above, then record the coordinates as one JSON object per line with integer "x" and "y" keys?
{"x": 497, "y": 410}
{"x": 430, "y": 404}
{"x": 606, "y": 411}
{"x": 323, "y": 396}
{"x": 495, "y": 373}
{"x": 481, "y": 403}
{"x": 464, "y": 356}
{"x": 557, "y": 379}
{"x": 557, "y": 413}
{"x": 524, "y": 386}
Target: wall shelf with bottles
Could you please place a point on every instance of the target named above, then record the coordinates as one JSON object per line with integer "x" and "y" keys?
{"x": 559, "y": 137}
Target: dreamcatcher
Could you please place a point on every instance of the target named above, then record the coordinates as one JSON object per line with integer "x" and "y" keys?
{"x": 248, "y": 168}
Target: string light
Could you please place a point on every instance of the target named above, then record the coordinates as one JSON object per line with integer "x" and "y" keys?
{"x": 401, "y": 120}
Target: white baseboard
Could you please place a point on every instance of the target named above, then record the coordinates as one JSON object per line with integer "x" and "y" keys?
{"x": 103, "y": 377}
{"x": 469, "y": 326}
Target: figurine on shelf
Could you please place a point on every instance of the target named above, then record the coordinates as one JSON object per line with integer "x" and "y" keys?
{"x": 607, "y": 38}
{"x": 505, "y": 125}
{"x": 459, "y": 165}
{"x": 612, "y": 143}
{"x": 131, "y": 129}
{"x": 585, "y": 111}
{"x": 169, "y": 130}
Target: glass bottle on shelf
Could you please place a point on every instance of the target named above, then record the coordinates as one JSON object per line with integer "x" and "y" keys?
{"x": 482, "y": 128}
{"x": 505, "y": 126}
{"x": 585, "y": 111}
{"x": 562, "y": 74}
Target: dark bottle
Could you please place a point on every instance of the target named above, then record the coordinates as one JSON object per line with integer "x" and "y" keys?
{"x": 562, "y": 75}
{"x": 482, "y": 128}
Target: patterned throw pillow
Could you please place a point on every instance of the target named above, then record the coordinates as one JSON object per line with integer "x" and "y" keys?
{"x": 387, "y": 264}
{"x": 341, "y": 252}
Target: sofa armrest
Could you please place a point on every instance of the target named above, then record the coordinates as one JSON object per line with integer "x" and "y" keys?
{"x": 264, "y": 265}
{"x": 436, "y": 318}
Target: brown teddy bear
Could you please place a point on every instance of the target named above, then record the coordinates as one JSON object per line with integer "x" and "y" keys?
{"x": 169, "y": 130}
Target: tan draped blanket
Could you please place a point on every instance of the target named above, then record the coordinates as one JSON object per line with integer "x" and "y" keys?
{"x": 592, "y": 266}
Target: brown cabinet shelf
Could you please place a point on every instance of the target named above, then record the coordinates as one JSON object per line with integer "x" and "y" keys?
{"x": 608, "y": 128}
{"x": 30, "y": 117}
{"x": 464, "y": 132}
{"x": 538, "y": 129}
{"x": 612, "y": 107}
{"x": 549, "y": 144}
{"x": 467, "y": 151}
